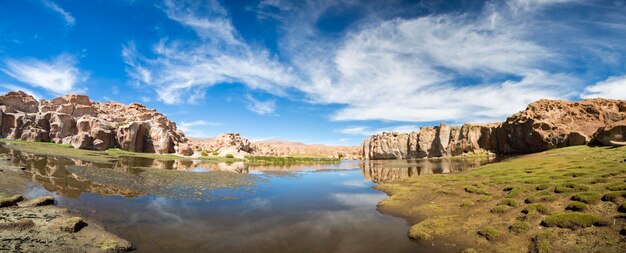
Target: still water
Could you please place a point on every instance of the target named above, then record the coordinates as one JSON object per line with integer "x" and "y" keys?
{"x": 193, "y": 206}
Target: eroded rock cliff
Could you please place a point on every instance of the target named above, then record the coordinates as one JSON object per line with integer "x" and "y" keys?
{"x": 543, "y": 125}
{"x": 84, "y": 124}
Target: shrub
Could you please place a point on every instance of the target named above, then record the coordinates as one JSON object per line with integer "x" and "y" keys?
{"x": 573, "y": 220}
{"x": 586, "y": 197}
{"x": 617, "y": 187}
{"x": 484, "y": 198}
{"x": 541, "y": 242}
{"x": 230, "y": 156}
{"x": 467, "y": 204}
{"x": 542, "y": 196}
{"x": 570, "y": 187}
{"x": 614, "y": 196}
{"x": 542, "y": 187}
{"x": 215, "y": 153}
{"x": 500, "y": 209}
{"x": 536, "y": 207}
{"x": 489, "y": 233}
{"x": 204, "y": 153}
{"x": 508, "y": 202}
{"x": 577, "y": 206}
{"x": 514, "y": 191}
{"x": 475, "y": 189}
{"x": 519, "y": 226}
{"x": 10, "y": 201}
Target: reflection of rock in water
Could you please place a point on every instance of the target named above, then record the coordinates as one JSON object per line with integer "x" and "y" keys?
{"x": 381, "y": 171}
{"x": 128, "y": 177}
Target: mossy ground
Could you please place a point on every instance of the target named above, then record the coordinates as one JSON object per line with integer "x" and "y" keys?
{"x": 524, "y": 199}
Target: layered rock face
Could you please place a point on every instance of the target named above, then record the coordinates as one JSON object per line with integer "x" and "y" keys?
{"x": 76, "y": 120}
{"x": 544, "y": 124}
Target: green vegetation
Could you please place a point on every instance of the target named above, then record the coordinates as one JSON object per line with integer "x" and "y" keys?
{"x": 475, "y": 189}
{"x": 586, "y": 197}
{"x": 272, "y": 160}
{"x": 489, "y": 233}
{"x": 614, "y": 196}
{"x": 570, "y": 187}
{"x": 427, "y": 229}
{"x": 572, "y": 178}
{"x": 573, "y": 220}
{"x": 519, "y": 227}
{"x": 10, "y": 201}
{"x": 537, "y": 207}
{"x": 109, "y": 245}
{"x": 215, "y": 153}
{"x": 230, "y": 156}
{"x": 542, "y": 196}
{"x": 467, "y": 203}
{"x": 508, "y": 202}
{"x": 577, "y": 206}
{"x": 110, "y": 155}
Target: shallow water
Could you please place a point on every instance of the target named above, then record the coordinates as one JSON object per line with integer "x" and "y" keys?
{"x": 184, "y": 206}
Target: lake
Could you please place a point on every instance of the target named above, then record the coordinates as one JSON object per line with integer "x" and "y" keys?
{"x": 195, "y": 206}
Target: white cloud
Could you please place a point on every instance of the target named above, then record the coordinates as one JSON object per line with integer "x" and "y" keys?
{"x": 455, "y": 66}
{"x": 69, "y": 19}
{"x": 366, "y": 131}
{"x": 181, "y": 70}
{"x": 194, "y": 128}
{"x": 613, "y": 87}
{"x": 60, "y": 75}
{"x": 260, "y": 107}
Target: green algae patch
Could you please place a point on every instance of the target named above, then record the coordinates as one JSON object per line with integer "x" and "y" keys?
{"x": 573, "y": 220}
{"x": 525, "y": 190}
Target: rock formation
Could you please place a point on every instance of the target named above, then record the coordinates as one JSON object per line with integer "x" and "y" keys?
{"x": 76, "y": 120}
{"x": 233, "y": 143}
{"x": 544, "y": 125}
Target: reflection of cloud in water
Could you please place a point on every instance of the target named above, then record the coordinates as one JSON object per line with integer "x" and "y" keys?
{"x": 361, "y": 200}
{"x": 161, "y": 205}
{"x": 361, "y": 183}
{"x": 36, "y": 191}
{"x": 260, "y": 204}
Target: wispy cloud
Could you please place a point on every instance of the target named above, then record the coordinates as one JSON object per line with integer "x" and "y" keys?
{"x": 478, "y": 66}
{"x": 59, "y": 75}
{"x": 614, "y": 87}
{"x": 183, "y": 69}
{"x": 194, "y": 128}
{"x": 366, "y": 131}
{"x": 69, "y": 19}
{"x": 260, "y": 107}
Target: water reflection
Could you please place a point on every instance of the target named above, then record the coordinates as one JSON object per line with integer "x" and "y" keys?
{"x": 381, "y": 171}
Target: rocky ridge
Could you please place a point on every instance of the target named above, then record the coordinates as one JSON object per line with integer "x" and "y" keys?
{"x": 77, "y": 121}
{"x": 543, "y": 125}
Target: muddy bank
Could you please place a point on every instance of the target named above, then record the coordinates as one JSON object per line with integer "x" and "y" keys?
{"x": 37, "y": 225}
{"x": 563, "y": 200}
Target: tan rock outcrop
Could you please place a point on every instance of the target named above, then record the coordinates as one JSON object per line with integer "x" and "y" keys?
{"x": 77, "y": 121}
{"x": 543, "y": 125}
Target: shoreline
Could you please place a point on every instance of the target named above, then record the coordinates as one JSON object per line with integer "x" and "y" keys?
{"x": 564, "y": 199}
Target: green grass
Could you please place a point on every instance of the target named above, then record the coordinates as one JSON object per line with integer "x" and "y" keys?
{"x": 586, "y": 197}
{"x": 538, "y": 207}
{"x": 489, "y": 233}
{"x": 577, "y": 206}
{"x": 475, "y": 189}
{"x": 467, "y": 204}
{"x": 542, "y": 196}
{"x": 500, "y": 209}
{"x": 10, "y": 201}
{"x": 614, "y": 196}
{"x": 519, "y": 227}
{"x": 273, "y": 160}
{"x": 573, "y": 220}
{"x": 570, "y": 187}
{"x": 508, "y": 202}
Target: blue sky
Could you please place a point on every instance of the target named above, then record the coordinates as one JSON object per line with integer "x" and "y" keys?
{"x": 317, "y": 71}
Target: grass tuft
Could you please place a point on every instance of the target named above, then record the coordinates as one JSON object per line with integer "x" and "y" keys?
{"x": 573, "y": 220}
{"x": 489, "y": 233}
